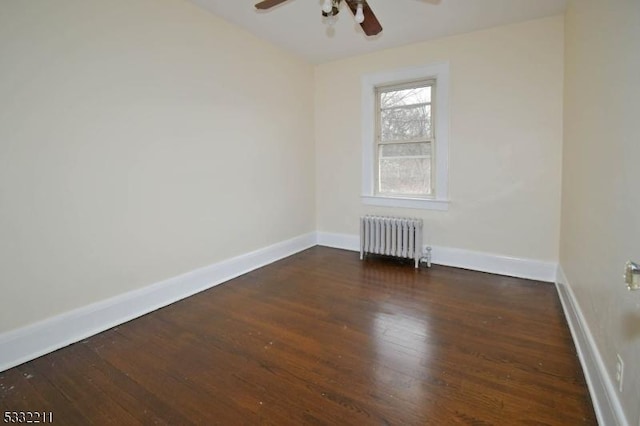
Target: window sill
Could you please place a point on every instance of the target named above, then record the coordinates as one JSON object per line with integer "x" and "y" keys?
{"x": 411, "y": 203}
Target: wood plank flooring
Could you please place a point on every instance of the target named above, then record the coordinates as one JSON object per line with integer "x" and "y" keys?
{"x": 321, "y": 338}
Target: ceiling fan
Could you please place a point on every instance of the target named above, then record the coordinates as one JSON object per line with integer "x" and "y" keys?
{"x": 360, "y": 9}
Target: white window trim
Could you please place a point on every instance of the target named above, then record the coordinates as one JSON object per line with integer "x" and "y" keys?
{"x": 440, "y": 72}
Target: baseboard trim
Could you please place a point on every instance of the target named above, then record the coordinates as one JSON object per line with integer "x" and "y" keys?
{"x": 604, "y": 395}
{"x": 30, "y": 342}
{"x": 340, "y": 241}
{"x": 459, "y": 258}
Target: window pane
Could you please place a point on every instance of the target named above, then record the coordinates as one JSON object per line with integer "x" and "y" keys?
{"x": 406, "y": 123}
{"x": 418, "y": 95}
{"x": 405, "y": 169}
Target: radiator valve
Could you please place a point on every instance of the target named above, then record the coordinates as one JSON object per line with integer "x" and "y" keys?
{"x": 426, "y": 258}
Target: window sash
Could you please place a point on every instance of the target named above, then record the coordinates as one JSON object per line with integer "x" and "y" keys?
{"x": 401, "y": 141}
{"x": 415, "y": 160}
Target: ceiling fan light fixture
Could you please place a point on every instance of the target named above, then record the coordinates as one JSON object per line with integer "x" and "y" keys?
{"x": 327, "y": 6}
{"x": 359, "y": 16}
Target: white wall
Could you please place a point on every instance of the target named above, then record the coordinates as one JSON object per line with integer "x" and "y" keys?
{"x": 140, "y": 139}
{"x": 505, "y": 143}
{"x": 600, "y": 196}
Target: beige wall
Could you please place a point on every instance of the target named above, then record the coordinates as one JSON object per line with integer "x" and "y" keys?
{"x": 505, "y": 143}
{"x": 140, "y": 140}
{"x": 600, "y": 196}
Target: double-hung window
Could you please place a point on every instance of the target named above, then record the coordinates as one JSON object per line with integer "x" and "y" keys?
{"x": 405, "y": 117}
{"x": 404, "y": 138}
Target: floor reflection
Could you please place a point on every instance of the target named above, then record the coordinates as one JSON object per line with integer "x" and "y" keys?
{"x": 392, "y": 274}
{"x": 401, "y": 352}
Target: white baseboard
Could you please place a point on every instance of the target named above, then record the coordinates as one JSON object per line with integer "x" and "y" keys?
{"x": 30, "y": 342}
{"x": 467, "y": 259}
{"x": 340, "y": 241}
{"x": 532, "y": 269}
{"x": 604, "y": 395}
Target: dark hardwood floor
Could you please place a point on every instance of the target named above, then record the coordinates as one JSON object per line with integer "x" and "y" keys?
{"x": 321, "y": 338}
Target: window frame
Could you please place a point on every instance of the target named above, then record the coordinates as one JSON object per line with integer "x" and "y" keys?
{"x": 440, "y": 149}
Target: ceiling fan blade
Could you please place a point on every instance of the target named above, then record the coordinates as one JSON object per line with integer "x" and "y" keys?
{"x": 268, "y": 4}
{"x": 371, "y": 26}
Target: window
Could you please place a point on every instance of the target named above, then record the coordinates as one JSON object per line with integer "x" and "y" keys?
{"x": 405, "y": 138}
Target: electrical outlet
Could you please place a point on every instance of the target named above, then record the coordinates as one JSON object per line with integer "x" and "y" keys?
{"x": 619, "y": 371}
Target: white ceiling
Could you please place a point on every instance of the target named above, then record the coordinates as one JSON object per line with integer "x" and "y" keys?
{"x": 297, "y": 25}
